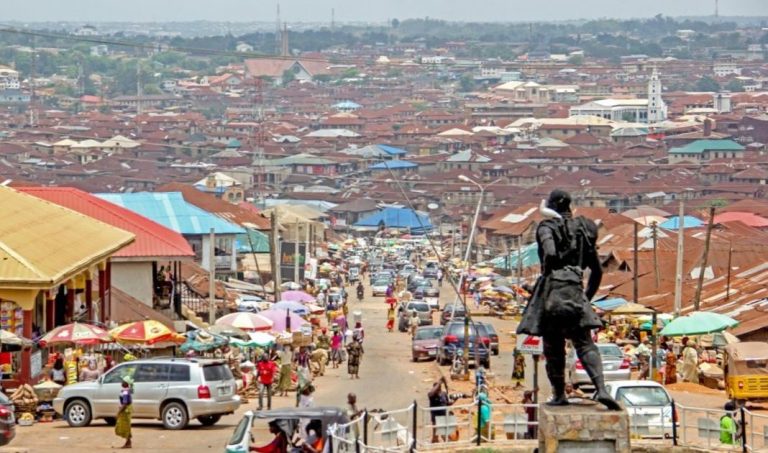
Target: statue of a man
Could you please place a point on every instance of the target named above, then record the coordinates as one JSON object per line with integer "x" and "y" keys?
{"x": 559, "y": 308}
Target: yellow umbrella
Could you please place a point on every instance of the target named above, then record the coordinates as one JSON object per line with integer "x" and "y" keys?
{"x": 148, "y": 332}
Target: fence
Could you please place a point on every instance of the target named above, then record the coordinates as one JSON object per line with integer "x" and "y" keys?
{"x": 425, "y": 428}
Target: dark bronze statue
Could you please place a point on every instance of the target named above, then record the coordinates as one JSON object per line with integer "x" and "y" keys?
{"x": 559, "y": 308}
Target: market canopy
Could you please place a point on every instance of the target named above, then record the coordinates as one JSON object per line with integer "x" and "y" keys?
{"x": 698, "y": 323}
{"x": 400, "y": 218}
{"x": 43, "y": 244}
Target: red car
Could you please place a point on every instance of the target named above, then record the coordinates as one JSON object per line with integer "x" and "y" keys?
{"x": 425, "y": 343}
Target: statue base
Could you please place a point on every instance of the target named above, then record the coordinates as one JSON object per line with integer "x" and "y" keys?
{"x": 583, "y": 428}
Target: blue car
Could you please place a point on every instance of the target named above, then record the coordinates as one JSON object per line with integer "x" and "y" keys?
{"x": 452, "y": 339}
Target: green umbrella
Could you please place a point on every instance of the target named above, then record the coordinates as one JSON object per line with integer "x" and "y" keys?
{"x": 698, "y": 323}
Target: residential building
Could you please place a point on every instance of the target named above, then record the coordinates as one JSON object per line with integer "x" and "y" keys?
{"x": 705, "y": 150}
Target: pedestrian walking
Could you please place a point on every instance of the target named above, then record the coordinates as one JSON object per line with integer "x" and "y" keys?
{"x": 124, "y": 414}
{"x": 391, "y": 317}
{"x": 518, "y": 368}
{"x": 336, "y": 341}
{"x": 413, "y": 323}
{"x": 643, "y": 353}
{"x": 266, "y": 370}
{"x": 354, "y": 357}
{"x": 286, "y": 358}
{"x": 440, "y": 277}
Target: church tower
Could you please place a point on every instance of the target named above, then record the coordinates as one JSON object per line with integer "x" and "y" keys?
{"x": 657, "y": 110}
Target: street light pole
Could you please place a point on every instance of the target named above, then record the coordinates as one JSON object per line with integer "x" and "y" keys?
{"x": 466, "y": 267}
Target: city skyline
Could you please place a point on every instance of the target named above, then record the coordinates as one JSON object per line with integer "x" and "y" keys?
{"x": 351, "y": 11}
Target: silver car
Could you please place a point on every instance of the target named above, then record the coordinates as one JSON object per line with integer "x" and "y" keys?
{"x": 169, "y": 389}
{"x": 616, "y": 367}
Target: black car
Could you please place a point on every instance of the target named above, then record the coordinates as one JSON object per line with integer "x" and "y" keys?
{"x": 448, "y": 313}
{"x": 490, "y": 332}
{"x": 453, "y": 339}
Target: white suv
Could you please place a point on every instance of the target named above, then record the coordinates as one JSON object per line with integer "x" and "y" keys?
{"x": 173, "y": 390}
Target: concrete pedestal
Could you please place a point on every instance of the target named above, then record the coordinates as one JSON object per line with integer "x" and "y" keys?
{"x": 583, "y": 428}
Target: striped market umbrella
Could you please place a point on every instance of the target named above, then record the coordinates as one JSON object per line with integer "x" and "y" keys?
{"x": 143, "y": 332}
{"x": 245, "y": 321}
{"x": 76, "y": 333}
{"x": 297, "y": 296}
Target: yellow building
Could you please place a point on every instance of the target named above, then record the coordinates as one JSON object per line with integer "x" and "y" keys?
{"x": 50, "y": 258}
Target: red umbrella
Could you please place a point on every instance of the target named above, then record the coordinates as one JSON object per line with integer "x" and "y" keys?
{"x": 76, "y": 333}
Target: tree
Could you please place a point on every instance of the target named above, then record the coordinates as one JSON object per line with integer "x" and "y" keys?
{"x": 288, "y": 77}
{"x": 576, "y": 59}
{"x": 466, "y": 83}
{"x": 735, "y": 85}
{"x": 395, "y": 23}
{"x": 707, "y": 83}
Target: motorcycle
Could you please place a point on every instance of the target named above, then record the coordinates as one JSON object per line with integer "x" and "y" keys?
{"x": 360, "y": 293}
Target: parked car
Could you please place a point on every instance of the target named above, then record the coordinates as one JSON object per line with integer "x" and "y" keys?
{"x": 407, "y": 271}
{"x": 7, "y": 420}
{"x": 169, "y": 389}
{"x": 425, "y": 343}
{"x": 452, "y": 338}
{"x": 420, "y": 307}
{"x": 649, "y": 406}
{"x": 249, "y": 303}
{"x": 448, "y": 312}
{"x": 490, "y": 332}
{"x": 379, "y": 287}
{"x": 616, "y": 367}
{"x": 430, "y": 269}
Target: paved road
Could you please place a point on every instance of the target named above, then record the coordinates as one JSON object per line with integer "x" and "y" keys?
{"x": 388, "y": 380}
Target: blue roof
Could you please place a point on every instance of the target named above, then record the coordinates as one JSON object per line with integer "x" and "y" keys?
{"x": 699, "y": 146}
{"x": 673, "y": 223}
{"x": 392, "y": 151}
{"x": 398, "y": 218}
{"x": 529, "y": 256}
{"x": 609, "y": 304}
{"x": 393, "y": 165}
{"x": 172, "y": 211}
{"x": 234, "y": 143}
{"x": 347, "y": 105}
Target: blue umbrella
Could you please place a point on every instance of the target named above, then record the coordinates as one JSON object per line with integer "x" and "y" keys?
{"x": 294, "y": 307}
{"x": 504, "y": 289}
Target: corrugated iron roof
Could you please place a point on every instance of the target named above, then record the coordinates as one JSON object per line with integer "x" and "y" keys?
{"x": 43, "y": 244}
{"x": 152, "y": 239}
{"x": 170, "y": 210}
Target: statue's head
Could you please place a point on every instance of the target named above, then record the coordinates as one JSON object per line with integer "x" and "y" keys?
{"x": 559, "y": 201}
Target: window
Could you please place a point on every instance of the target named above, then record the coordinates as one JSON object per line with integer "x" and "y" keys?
{"x": 152, "y": 372}
{"x": 116, "y": 375}
{"x": 179, "y": 373}
{"x": 217, "y": 373}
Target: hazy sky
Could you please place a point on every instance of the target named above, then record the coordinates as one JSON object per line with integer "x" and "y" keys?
{"x": 363, "y": 10}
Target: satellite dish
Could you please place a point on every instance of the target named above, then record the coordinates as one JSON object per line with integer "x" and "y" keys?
{"x": 432, "y": 206}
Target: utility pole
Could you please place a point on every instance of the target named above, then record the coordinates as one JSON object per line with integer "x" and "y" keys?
{"x": 139, "y": 90}
{"x": 212, "y": 277}
{"x": 274, "y": 253}
{"x": 519, "y": 259}
{"x": 679, "y": 264}
{"x": 728, "y": 274}
{"x": 296, "y": 253}
{"x": 453, "y": 239}
{"x": 655, "y": 236}
{"x": 697, "y": 300}
{"x": 635, "y": 264}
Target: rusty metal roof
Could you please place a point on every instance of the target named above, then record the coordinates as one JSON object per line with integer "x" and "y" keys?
{"x": 43, "y": 244}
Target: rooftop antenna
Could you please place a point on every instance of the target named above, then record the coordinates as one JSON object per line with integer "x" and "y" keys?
{"x": 717, "y": 9}
{"x": 333, "y": 19}
{"x": 277, "y": 29}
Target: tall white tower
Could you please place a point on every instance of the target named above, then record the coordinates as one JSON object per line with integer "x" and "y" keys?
{"x": 657, "y": 110}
